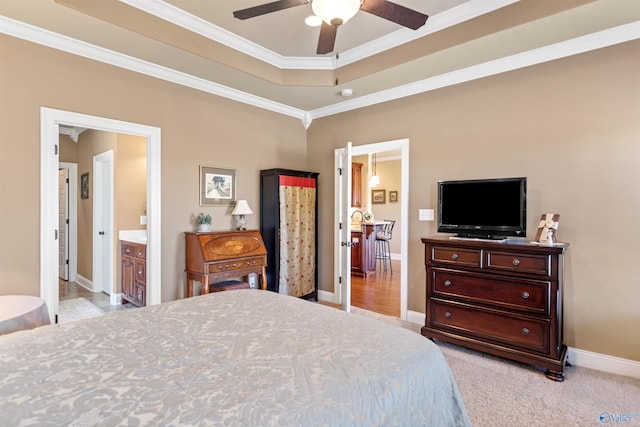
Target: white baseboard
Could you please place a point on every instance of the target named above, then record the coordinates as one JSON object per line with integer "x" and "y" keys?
{"x": 84, "y": 282}
{"x": 603, "y": 362}
{"x": 575, "y": 356}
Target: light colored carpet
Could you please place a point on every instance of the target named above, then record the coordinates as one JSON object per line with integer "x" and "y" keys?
{"x": 498, "y": 392}
{"x": 77, "y": 309}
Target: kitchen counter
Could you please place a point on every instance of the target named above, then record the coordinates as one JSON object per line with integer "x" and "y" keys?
{"x": 363, "y": 249}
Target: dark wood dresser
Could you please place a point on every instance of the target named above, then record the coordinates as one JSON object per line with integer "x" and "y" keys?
{"x": 501, "y": 298}
{"x": 215, "y": 256}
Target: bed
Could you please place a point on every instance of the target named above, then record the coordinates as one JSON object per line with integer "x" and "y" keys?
{"x": 242, "y": 357}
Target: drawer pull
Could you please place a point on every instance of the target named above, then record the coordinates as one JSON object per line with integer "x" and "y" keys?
{"x": 447, "y": 283}
{"x": 525, "y": 331}
{"x": 447, "y": 314}
{"x": 455, "y": 256}
{"x": 516, "y": 261}
{"x": 525, "y": 295}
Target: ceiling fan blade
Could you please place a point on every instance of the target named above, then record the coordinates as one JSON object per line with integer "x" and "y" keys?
{"x": 327, "y": 39}
{"x": 263, "y": 9}
{"x": 395, "y": 13}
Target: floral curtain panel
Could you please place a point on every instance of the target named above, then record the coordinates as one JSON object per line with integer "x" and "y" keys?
{"x": 297, "y": 235}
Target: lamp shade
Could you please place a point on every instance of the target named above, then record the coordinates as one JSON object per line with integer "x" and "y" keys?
{"x": 335, "y": 12}
{"x": 242, "y": 208}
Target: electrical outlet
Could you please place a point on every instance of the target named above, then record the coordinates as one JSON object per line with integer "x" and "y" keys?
{"x": 425, "y": 214}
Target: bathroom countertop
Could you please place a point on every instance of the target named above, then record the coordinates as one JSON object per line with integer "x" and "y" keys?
{"x": 133, "y": 236}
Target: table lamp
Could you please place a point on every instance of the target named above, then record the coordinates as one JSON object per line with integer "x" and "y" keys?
{"x": 241, "y": 209}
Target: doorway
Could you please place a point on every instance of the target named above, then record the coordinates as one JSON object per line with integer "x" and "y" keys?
{"x": 49, "y": 145}
{"x": 402, "y": 146}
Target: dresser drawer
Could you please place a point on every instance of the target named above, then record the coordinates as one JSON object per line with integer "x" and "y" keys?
{"x": 514, "y": 294}
{"x": 238, "y": 264}
{"x": 490, "y": 325}
{"x": 519, "y": 262}
{"x": 466, "y": 257}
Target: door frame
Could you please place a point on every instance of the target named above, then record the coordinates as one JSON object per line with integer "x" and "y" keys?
{"x": 101, "y": 162}
{"x": 377, "y": 147}
{"x": 50, "y": 119}
{"x": 72, "y": 239}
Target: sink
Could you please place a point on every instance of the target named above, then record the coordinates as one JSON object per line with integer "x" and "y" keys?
{"x": 356, "y": 225}
{"x": 134, "y": 236}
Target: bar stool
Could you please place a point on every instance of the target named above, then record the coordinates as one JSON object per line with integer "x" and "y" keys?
{"x": 383, "y": 247}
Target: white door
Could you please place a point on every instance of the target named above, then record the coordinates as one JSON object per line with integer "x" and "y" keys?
{"x": 103, "y": 222}
{"x": 63, "y": 224}
{"x": 343, "y": 225}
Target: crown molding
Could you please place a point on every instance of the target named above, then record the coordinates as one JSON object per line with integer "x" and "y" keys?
{"x": 167, "y": 12}
{"x": 181, "y": 18}
{"x": 67, "y": 44}
{"x": 551, "y": 52}
{"x": 570, "y": 47}
{"x": 464, "y": 12}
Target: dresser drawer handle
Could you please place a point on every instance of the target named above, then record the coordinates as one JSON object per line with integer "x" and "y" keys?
{"x": 455, "y": 256}
{"x": 447, "y": 283}
{"x": 525, "y": 295}
{"x": 447, "y": 314}
{"x": 516, "y": 261}
{"x": 525, "y": 331}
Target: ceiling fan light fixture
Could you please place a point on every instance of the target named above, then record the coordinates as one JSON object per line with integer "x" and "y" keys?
{"x": 313, "y": 21}
{"x": 335, "y": 12}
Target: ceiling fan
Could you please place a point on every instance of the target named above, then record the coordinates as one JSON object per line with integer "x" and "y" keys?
{"x": 336, "y": 12}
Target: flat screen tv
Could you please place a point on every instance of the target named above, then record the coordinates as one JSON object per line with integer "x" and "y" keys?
{"x": 483, "y": 208}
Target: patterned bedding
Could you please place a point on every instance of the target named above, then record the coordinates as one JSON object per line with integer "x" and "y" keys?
{"x": 238, "y": 358}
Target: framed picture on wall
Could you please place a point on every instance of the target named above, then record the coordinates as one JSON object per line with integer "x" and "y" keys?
{"x": 84, "y": 185}
{"x": 378, "y": 196}
{"x": 217, "y": 186}
{"x": 393, "y": 196}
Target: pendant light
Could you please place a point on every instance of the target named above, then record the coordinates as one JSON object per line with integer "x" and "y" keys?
{"x": 374, "y": 180}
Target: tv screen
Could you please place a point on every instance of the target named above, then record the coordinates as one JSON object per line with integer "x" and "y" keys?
{"x": 483, "y": 208}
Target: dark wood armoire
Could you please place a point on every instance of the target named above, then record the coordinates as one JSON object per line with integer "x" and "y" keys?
{"x": 289, "y": 228}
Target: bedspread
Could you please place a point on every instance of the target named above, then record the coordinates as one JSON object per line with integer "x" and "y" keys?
{"x": 244, "y": 357}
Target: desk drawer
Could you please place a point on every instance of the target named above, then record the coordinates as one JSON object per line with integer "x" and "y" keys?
{"x": 237, "y": 264}
{"x": 491, "y": 325}
{"x": 519, "y": 262}
{"x": 467, "y": 257}
{"x": 511, "y": 293}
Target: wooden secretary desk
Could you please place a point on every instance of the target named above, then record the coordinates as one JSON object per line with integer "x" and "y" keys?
{"x": 222, "y": 255}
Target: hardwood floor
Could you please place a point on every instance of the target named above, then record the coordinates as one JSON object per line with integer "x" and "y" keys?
{"x": 381, "y": 293}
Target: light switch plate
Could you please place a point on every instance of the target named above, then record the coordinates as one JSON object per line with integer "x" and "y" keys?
{"x": 425, "y": 214}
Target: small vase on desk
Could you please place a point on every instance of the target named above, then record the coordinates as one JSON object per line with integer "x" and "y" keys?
{"x": 204, "y": 227}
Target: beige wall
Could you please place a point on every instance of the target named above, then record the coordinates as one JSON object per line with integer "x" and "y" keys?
{"x": 197, "y": 128}
{"x": 572, "y": 127}
{"x": 68, "y": 150}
